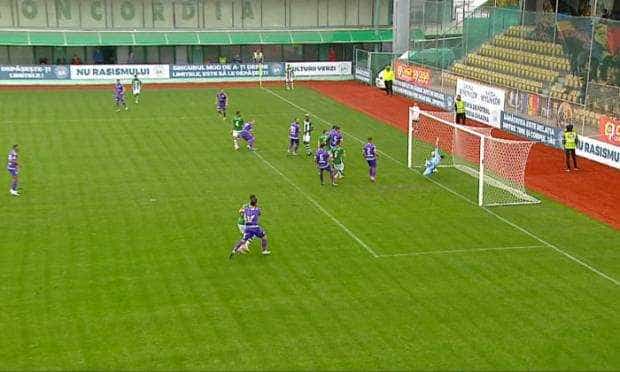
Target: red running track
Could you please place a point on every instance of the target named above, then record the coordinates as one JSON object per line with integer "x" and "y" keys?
{"x": 589, "y": 190}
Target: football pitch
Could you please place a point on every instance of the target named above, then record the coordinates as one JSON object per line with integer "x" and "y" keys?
{"x": 116, "y": 254}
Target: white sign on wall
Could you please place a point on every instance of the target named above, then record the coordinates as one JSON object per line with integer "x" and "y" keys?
{"x": 321, "y": 68}
{"x": 123, "y": 72}
{"x": 599, "y": 151}
{"x": 482, "y": 102}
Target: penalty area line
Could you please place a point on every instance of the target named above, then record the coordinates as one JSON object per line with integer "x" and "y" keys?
{"x": 450, "y": 251}
{"x": 461, "y": 196}
{"x": 318, "y": 206}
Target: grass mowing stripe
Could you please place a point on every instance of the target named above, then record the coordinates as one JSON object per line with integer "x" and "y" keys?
{"x": 508, "y": 222}
{"x": 449, "y": 251}
{"x": 318, "y": 206}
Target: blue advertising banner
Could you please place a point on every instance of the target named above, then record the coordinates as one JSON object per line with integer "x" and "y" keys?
{"x": 39, "y": 72}
{"x": 425, "y": 95}
{"x": 230, "y": 70}
{"x": 531, "y": 130}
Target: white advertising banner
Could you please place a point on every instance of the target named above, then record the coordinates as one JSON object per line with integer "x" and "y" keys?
{"x": 482, "y": 102}
{"x": 321, "y": 68}
{"x": 123, "y": 72}
{"x": 599, "y": 151}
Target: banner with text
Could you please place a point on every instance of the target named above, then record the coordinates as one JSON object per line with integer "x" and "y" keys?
{"x": 412, "y": 74}
{"x": 482, "y": 103}
{"x": 599, "y": 151}
{"x": 531, "y": 129}
{"x": 424, "y": 95}
{"x": 123, "y": 72}
{"x": 40, "y": 72}
{"x": 362, "y": 74}
{"x": 320, "y": 68}
{"x": 229, "y": 70}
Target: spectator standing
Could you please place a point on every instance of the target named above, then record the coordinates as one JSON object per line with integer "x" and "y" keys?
{"x": 459, "y": 107}
{"x": 258, "y": 56}
{"x": 98, "y": 56}
{"x": 570, "y": 142}
{"x": 331, "y": 55}
{"x": 388, "y": 79}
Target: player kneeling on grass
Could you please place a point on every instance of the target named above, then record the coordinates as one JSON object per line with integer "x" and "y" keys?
{"x": 247, "y": 135}
{"x": 338, "y": 160}
{"x": 136, "y": 88}
{"x": 432, "y": 163}
{"x": 322, "y": 163}
{"x": 252, "y": 229}
{"x": 236, "y": 129}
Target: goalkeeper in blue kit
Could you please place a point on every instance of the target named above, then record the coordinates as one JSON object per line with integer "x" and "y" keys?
{"x": 430, "y": 165}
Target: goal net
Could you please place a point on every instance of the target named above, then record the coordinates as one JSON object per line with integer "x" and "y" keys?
{"x": 498, "y": 164}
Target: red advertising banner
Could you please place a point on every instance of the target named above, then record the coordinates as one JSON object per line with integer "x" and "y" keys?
{"x": 609, "y": 129}
{"x": 412, "y": 74}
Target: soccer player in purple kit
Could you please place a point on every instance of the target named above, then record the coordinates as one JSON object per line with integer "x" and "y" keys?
{"x": 13, "y": 168}
{"x": 322, "y": 164}
{"x": 335, "y": 137}
{"x": 293, "y": 135}
{"x": 247, "y": 135}
{"x": 221, "y": 99}
{"x": 369, "y": 151}
{"x": 119, "y": 96}
{"x": 251, "y": 216}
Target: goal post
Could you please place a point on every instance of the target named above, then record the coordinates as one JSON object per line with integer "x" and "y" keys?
{"x": 498, "y": 164}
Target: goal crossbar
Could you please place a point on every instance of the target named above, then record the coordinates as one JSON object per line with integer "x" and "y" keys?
{"x": 497, "y": 163}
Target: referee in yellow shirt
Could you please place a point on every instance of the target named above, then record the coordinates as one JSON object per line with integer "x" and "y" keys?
{"x": 388, "y": 79}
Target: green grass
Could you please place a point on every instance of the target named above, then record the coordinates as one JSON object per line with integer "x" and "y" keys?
{"x": 116, "y": 255}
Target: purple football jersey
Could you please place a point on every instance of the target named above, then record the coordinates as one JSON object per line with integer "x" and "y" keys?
{"x": 294, "y": 130}
{"x": 12, "y": 161}
{"x": 251, "y": 215}
{"x": 119, "y": 89}
{"x": 369, "y": 151}
{"x": 322, "y": 158}
{"x": 335, "y": 138}
{"x": 222, "y": 98}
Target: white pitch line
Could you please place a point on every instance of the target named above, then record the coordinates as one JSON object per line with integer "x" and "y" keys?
{"x": 319, "y": 207}
{"x": 506, "y": 221}
{"x": 450, "y": 251}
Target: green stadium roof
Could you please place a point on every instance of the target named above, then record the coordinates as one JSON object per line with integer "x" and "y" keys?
{"x": 148, "y": 38}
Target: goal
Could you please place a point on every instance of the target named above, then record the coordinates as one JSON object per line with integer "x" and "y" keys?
{"x": 497, "y": 163}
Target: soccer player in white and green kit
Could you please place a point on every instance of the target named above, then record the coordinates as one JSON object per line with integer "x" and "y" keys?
{"x": 307, "y": 134}
{"x": 136, "y": 88}
{"x": 338, "y": 160}
{"x": 237, "y": 128}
